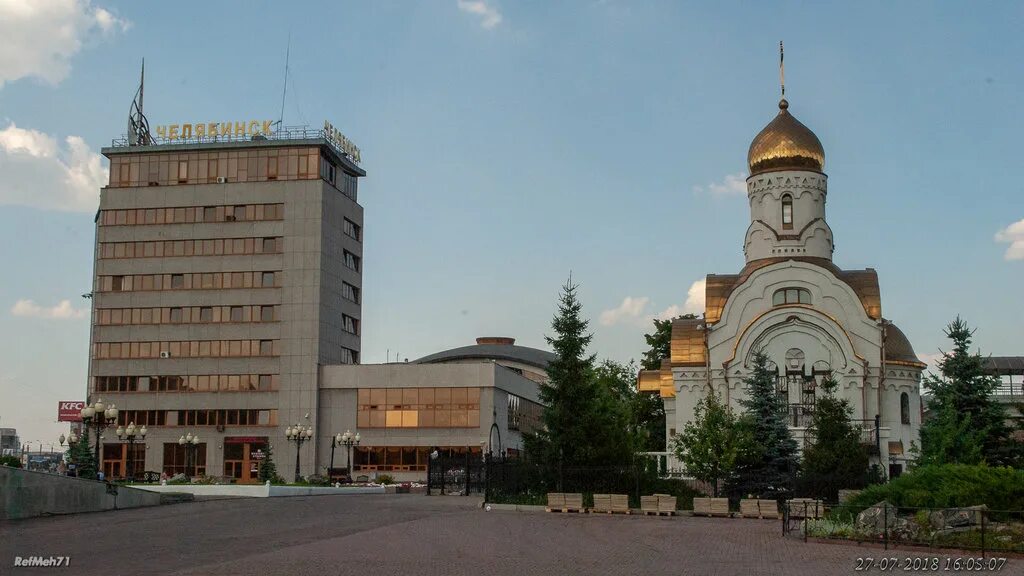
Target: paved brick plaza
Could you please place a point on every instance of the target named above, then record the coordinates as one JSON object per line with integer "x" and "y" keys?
{"x": 408, "y": 534}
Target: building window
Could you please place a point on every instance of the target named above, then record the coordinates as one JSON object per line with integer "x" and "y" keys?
{"x": 350, "y": 292}
{"x": 206, "y": 314}
{"x": 353, "y": 230}
{"x": 182, "y": 171}
{"x": 267, "y": 280}
{"x": 177, "y": 280}
{"x": 787, "y": 212}
{"x": 791, "y": 296}
{"x": 349, "y": 324}
{"x": 349, "y": 356}
{"x": 418, "y": 408}
{"x": 266, "y": 347}
{"x": 905, "y": 408}
{"x": 236, "y": 313}
{"x": 117, "y": 283}
{"x": 352, "y": 261}
{"x": 175, "y": 460}
{"x": 175, "y": 315}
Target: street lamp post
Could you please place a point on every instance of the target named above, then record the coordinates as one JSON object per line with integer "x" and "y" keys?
{"x": 98, "y": 416}
{"x": 298, "y": 434}
{"x": 191, "y": 445}
{"x": 348, "y": 441}
{"x": 71, "y": 439}
{"x": 130, "y": 436}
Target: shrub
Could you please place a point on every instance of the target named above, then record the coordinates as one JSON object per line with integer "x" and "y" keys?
{"x": 385, "y": 479}
{"x": 12, "y": 461}
{"x": 949, "y": 486}
{"x": 318, "y": 480}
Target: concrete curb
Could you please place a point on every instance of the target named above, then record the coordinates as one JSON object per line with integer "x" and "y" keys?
{"x": 534, "y": 508}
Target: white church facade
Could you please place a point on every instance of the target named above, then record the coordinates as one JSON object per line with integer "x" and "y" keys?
{"x": 792, "y": 302}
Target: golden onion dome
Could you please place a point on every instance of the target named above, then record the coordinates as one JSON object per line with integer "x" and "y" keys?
{"x": 785, "y": 144}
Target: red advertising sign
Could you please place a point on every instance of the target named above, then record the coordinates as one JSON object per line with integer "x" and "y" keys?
{"x": 69, "y": 411}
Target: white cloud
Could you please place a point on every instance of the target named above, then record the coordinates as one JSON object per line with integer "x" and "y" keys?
{"x": 62, "y": 311}
{"x": 41, "y": 36}
{"x": 39, "y": 172}
{"x": 633, "y": 310}
{"x": 732, "y": 185}
{"x": 489, "y": 15}
{"x": 1014, "y": 235}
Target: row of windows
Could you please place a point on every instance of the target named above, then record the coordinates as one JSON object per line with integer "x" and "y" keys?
{"x": 791, "y": 296}
{"x": 401, "y": 458}
{"x": 229, "y": 417}
{"x": 353, "y": 230}
{"x": 344, "y": 182}
{"x": 192, "y": 214}
{"x": 418, "y": 408}
{"x": 186, "y": 349}
{"x": 207, "y": 167}
{"x": 349, "y": 292}
{"x": 523, "y": 415}
{"x": 191, "y": 281}
{"x": 352, "y": 261}
{"x": 192, "y": 383}
{"x": 185, "y": 315}
{"x": 177, "y": 460}
{"x": 208, "y": 247}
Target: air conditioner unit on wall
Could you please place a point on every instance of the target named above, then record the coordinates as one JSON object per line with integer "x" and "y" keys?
{"x": 222, "y": 180}
{"x": 165, "y": 354}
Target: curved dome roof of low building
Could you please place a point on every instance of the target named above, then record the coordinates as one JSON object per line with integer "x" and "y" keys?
{"x": 493, "y": 348}
{"x": 897, "y": 346}
{"x": 785, "y": 144}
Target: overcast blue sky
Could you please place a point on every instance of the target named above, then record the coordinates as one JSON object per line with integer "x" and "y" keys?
{"x": 507, "y": 143}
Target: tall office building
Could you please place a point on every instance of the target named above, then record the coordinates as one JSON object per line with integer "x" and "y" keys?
{"x": 227, "y": 271}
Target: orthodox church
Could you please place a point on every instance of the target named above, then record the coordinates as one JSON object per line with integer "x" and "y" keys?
{"x": 811, "y": 317}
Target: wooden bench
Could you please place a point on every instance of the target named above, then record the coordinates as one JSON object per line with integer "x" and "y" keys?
{"x": 749, "y": 508}
{"x": 620, "y": 504}
{"x": 711, "y": 507}
{"x": 769, "y": 509}
{"x": 574, "y": 502}
{"x": 649, "y": 504}
{"x": 556, "y": 502}
{"x": 666, "y": 504}
{"x": 602, "y": 504}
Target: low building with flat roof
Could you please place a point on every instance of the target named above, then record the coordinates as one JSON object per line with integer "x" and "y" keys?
{"x": 471, "y": 399}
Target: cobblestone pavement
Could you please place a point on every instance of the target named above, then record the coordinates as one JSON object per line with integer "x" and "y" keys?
{"x": 411, "y": 534}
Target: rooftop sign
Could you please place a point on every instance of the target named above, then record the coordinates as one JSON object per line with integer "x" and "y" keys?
{"x": 344, "y": 144}
{"x": 214, "y": 129}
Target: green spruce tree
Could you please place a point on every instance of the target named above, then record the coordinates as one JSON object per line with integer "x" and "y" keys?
{"x": 834, "y": 457}
{"x": 970, "y": 425}
{"x": 83, "y": 457}
{"x": 268, "y": 470}
{"x": 768, "y": 466}
{"x": 582, "y": 424}
{"x": 710, "y": 444}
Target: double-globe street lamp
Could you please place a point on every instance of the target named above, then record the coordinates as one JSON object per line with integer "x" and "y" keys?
{"x": 191, "y": 445}
{"x": 98, "y": 416}
{"x": 348, "y": 441}
{"x": 71, "y": 439}
{"x": 298, "y": 434}
{"x": 130, "y": 436}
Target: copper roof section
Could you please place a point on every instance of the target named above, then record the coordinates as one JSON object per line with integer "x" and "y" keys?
{"x": 785, "y": 144}
{"x": 898, "y": 349}
{"x": 649, "y": 381}
{"x": 687, "y": 346}
{"x": 720, "y": 286}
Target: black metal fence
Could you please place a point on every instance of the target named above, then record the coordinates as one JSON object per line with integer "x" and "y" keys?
{"x": 975, "y": 528}
{"x": 456, "y": 473}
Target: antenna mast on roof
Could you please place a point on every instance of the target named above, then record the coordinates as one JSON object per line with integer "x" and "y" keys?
{"x": 138, "y": 125}
{"x": 284, "y": 89}
{"x": 782, "y": 70}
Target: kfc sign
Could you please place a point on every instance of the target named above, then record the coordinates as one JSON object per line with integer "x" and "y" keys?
{"x": 69, "y": 411}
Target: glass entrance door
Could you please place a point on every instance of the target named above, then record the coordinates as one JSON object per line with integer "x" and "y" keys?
{"x": 242, "y": 458}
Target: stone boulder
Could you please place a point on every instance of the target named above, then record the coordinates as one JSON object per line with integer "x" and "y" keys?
{"x": 957, "y": 517}
{"x": 873, "y": 520}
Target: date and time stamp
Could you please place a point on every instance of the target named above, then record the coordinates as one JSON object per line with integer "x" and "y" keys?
{"x": 930, "y": 564}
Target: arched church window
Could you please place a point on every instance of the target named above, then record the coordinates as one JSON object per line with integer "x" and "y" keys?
{"x": 787, "y": 212}
{"x": 791, "y": 296}
{"x": 905, "y": 408}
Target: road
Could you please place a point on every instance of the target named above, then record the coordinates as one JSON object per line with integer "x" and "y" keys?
{"x": 412, "y": 534}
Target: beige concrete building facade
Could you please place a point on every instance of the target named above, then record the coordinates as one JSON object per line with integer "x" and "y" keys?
{"x": 227, "y": 273}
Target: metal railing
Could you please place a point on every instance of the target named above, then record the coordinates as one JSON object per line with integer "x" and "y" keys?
{"x": 975, "y": 528}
